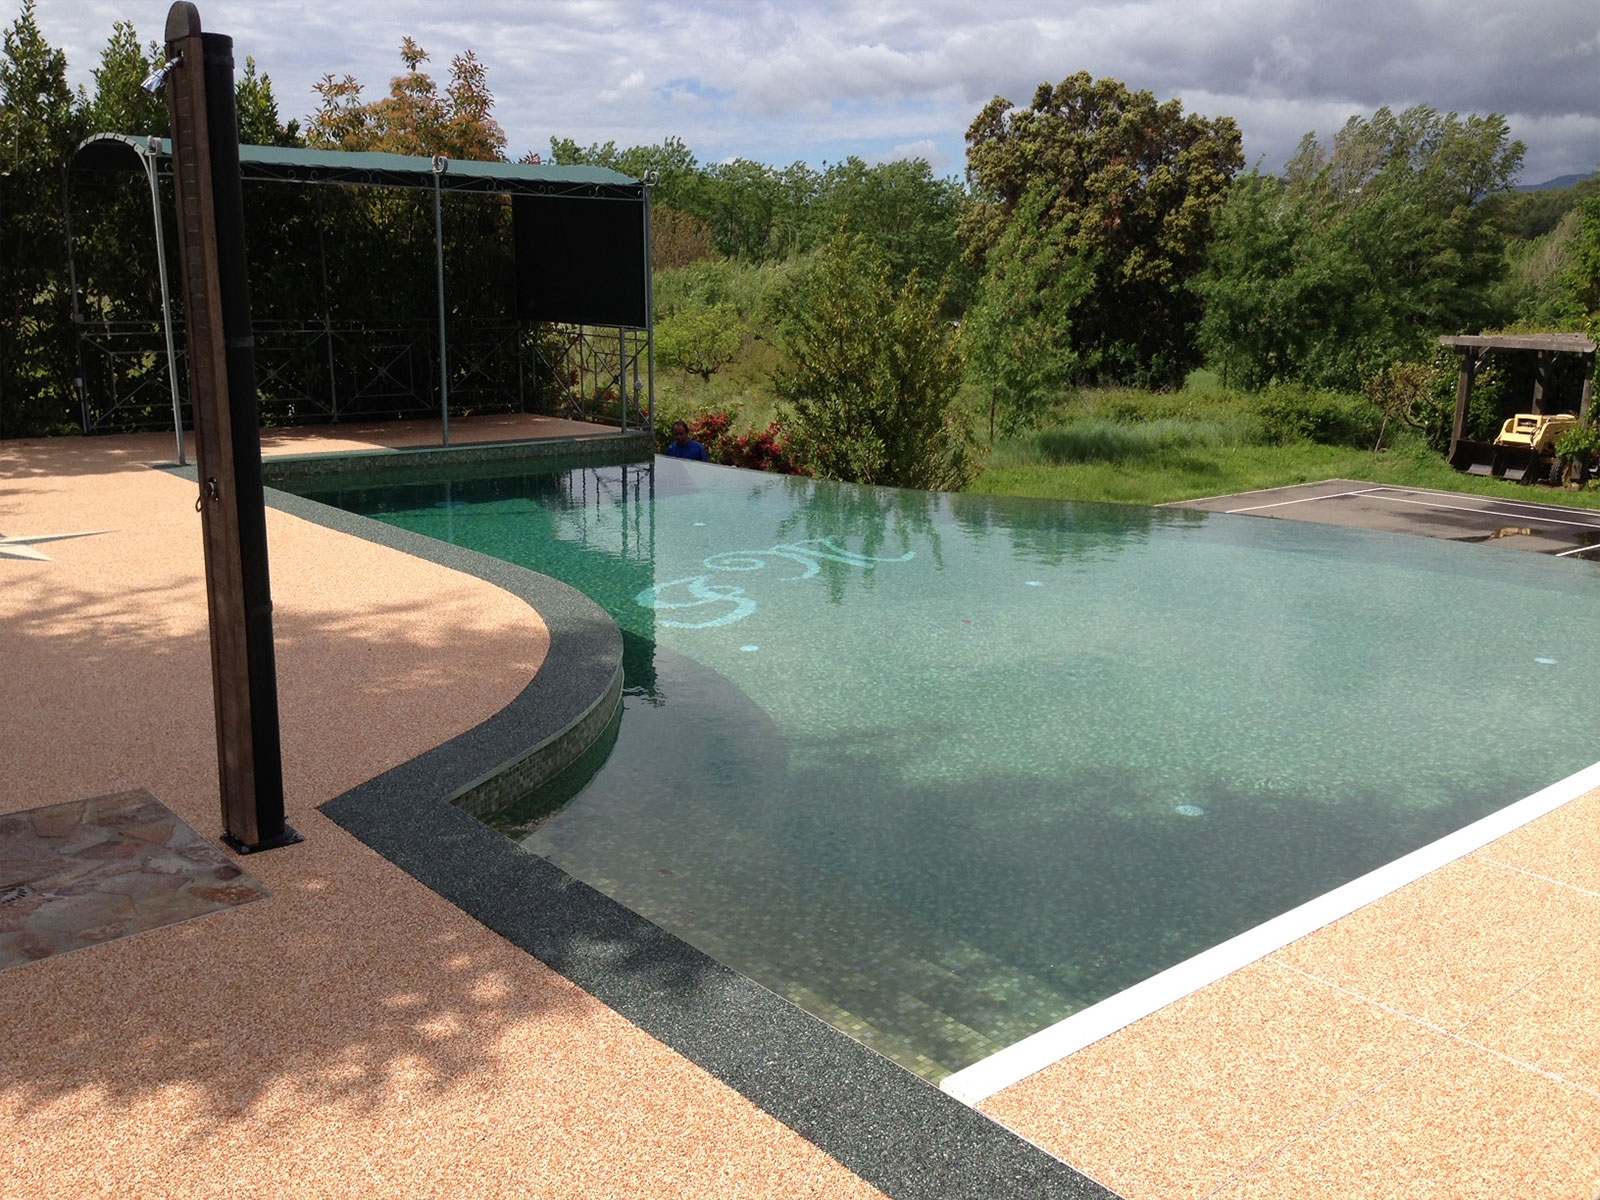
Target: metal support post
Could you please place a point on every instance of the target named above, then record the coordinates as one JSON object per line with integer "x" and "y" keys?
{"x": 149, "y": 159}
{"x": 622, "y": 374}
{"x": 649, "y": 304}
{"x": 77, "y": 306}
{"x": 441, "y": 164}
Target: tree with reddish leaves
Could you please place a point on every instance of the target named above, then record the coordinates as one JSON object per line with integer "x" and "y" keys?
{"x": 415, "y": 118}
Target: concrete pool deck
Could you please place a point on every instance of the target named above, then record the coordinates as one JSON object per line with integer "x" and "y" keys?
{"x": 1511, "y": 524}
{"x": 357, "y": 1031}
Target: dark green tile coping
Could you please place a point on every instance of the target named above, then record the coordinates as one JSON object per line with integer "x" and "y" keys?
{"x": 895, "y": 1130}
{"x": 509, "y": 782}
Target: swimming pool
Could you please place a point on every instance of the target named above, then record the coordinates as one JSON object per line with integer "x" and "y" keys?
{"x": 945, "y": 769}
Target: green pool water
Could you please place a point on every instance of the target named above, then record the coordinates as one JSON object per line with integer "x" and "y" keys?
{"x": 945, "y": 769}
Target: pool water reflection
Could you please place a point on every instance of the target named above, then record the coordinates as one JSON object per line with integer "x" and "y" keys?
{"x": 944, "y": 769}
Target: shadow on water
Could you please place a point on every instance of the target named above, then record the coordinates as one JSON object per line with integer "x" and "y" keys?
{"x": 937, "y": 920}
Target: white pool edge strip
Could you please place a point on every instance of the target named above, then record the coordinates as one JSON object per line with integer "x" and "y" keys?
{"x": 976, "y": 1083}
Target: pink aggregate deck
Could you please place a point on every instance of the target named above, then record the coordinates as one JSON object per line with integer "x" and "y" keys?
{"x": 353, "y": 1033}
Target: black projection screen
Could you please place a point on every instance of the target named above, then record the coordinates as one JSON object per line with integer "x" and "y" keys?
{"x": 580, "y": 260}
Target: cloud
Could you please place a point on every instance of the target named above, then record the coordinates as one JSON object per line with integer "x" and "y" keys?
{"x": 784, "y": 79}
{"x": 926, "y": 150}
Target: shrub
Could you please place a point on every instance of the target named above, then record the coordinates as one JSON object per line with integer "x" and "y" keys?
{"x": 871, "y": 375}
{"x": 707, "y": 428}
{"x": 700, "y": 341}
{"x": 1292, "y": 413}
{"x": 1581, "y": 442}
{"x": 760, "y": 450}
{"x": 766, "y": 449}
{"x": 1423, "y": 396}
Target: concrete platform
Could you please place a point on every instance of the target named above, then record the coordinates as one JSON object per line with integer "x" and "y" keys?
{"x": 1456, "y": 516}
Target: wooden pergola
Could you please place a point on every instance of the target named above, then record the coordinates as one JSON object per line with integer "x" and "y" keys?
{"x": 1475, "y": 349}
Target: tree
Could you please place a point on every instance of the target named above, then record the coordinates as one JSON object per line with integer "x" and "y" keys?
{"x": 699, "y": 340}
{"x": 1583, "y": 277}
{"x": 120, "y": 104}
{"x": 1535, "y": 292}
{"x": 680, "y": 181}
{"x": 1262, "y": 304}
{"x": 910, "y": 216}
{"x": 1132, "y": 184}
{"x": 871, "y": 374}
{"x": 759, "y": 213}
{"x": 259, "y": 123}
{"x": 1376, "y": 244}
{"x": 413, "y": 118}
{"x": 38, "y": 129}
{"x": 678, "y": 239}
{"x": 1020, "y": 328}
{"x": 383, "y": 235}
{"x": 1530, "y": 215}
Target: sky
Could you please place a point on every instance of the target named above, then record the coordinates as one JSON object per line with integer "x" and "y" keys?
{"x": 819, "y": 80}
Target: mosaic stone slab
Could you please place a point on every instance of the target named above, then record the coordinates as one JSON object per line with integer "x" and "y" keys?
{"x": 92, "y": 871}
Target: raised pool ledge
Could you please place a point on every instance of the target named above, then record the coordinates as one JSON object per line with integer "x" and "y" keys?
{"x": 896, "y": 1131}
{"x": 600, "y": 448}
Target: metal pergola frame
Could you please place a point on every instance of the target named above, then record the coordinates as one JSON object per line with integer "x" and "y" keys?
{"x": 153, "y": 155}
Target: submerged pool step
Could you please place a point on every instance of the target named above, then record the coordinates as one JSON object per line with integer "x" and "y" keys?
{"x": 919, "y": 1012}
{"x": 920, "y": 996}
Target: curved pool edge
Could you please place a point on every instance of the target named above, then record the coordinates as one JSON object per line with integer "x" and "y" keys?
{"x": 895, "y": 1130}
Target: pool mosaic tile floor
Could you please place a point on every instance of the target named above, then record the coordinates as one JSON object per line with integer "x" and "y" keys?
{"x": 92, "y": 871}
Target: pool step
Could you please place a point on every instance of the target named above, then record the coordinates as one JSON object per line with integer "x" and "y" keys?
{"x": 931, "y": 1002}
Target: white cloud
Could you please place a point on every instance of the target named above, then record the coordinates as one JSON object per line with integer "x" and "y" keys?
{"x": 784, "y": 79}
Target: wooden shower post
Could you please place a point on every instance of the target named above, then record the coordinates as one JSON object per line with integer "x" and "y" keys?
{"x": 205, "y": 151}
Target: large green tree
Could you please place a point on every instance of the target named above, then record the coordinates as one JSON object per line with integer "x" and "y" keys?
{"x": 119, "y": 103}
{"x": 1365, "y": 251}
{"x": 871, "y": 373}
{"x": 1132, "y": 185}
{"x": 37, "y": 130}
{"x": 1583, "y": 276}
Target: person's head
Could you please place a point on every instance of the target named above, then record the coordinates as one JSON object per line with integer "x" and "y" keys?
{"x": 680, "y": 432}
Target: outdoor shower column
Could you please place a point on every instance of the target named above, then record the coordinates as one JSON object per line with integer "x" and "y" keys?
{"x": 233, "y": 524}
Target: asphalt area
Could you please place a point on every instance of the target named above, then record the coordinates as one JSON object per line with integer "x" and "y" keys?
{"x": 1512, "y": 524}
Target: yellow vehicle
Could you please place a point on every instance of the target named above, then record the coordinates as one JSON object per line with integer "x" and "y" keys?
{"x": 1535, "y": 431}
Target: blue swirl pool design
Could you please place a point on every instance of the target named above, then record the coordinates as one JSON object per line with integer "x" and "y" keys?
{"x": 809, "y": 554}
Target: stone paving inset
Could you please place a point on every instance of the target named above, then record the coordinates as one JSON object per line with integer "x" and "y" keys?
{"x": 92, "y": 871}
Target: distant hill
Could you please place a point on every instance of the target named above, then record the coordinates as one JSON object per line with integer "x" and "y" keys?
{"x": 1551, "y": 185}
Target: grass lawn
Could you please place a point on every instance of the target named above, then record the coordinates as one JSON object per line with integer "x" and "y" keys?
{"x": 1188, "y": 475}
{"x": 1151, "y": 448}
{"x": 1132, "y": 447}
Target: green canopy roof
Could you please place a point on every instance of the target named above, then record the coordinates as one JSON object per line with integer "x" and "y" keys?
{"x": 292, "y": 164}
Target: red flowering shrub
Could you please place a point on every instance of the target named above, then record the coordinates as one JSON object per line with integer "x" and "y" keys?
{"x": 710, "y": 427}
{"x": 758, "y": 450}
